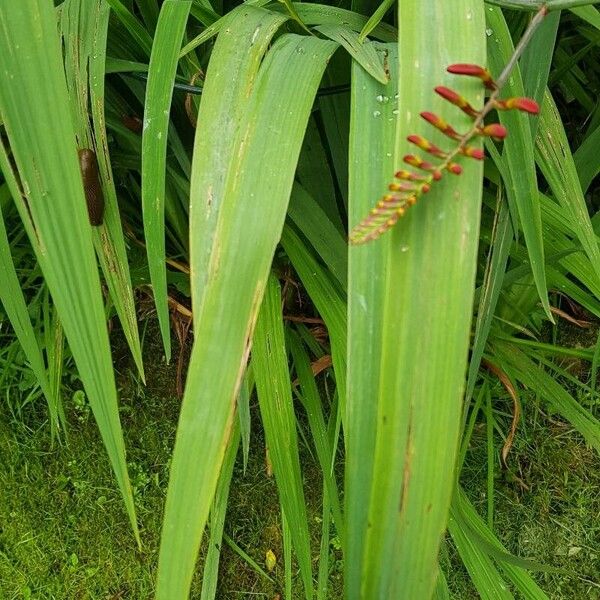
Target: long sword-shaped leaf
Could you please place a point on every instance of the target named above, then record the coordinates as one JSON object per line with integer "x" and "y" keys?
{"x": 403, "y": 422}
{"x": 42, "y": 139}
{"x": 84, "y": 27}
{"x": 11, "y": 297}
{"x": 556, "y": 162}
{"x": 371, "y": 149}
{"x": 110, "y": 243}
{"x": 520, "y": 178}
{"x": 269, "y": 359}
{"x": 231, "y": 75}
{"x": 161, "y": 75}
{"x": 251, "y": 217}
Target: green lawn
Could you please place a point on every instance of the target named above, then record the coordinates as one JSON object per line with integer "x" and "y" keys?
{"x": 64, "y": 533}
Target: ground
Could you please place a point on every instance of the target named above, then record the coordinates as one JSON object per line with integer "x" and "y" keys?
{"x": 64, "y": 534}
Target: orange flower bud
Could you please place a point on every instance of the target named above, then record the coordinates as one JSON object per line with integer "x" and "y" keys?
{"x": 456, "y": 99}
{"x": 525, "y": 104}
{"x": 440, "y": 124}
{"x": 474, "y": 71}
{"x": 401, "y": 187}
{"x": 408, "y": 175}
{"x": 419, "y": 163}
{"x": 473, "y": 152}
{"x": 495, "y": 130}
{"x": 426, "y": 145}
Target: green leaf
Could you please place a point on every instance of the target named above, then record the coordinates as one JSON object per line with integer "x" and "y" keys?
{"x": 376, "y": 18}
{"x": 410, "y": 302}
{"x": 235, "y": 61}
{"x": 54, "y": 211}
{"x": 109, "y": 241}
{"x": 321, "y": 14}
{"x": 587, "y": 159}
{"x": 266, "y": 148}
{"x": 519, "y": 174}
{"x": 363, "y": 52}
{"x": 135, "y": 28}
{"x": 15, "y": 306}
{"x": 161, "y": 75}
{"x": 217, "y": 520}
{"x": 269, "y": 358}
{"x": 556, "y": 163}
{"x": 525, "y": 370}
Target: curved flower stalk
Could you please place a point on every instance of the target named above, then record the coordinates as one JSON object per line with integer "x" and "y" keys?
{"x": 412, "y": 184}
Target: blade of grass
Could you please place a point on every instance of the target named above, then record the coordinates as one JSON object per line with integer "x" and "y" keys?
{"x": 15, "y": 306}
{"x": 217, "y": 520}
{"x": 407, "y": 421}
{"x": 519, "y": 174}
{"x": 502, "y": 237}
{"x": 269, "y": 358}
{"x": 556, "y": 163}
{"x": 313, "y": 405}
{"x": 323, "y": 579}
{"x": 43, "y": 142}
{"x": 161, "y": 75}
{"x": 488, "y": 581}
{"x": 470, "y": 522}
{"x": 245, "y": 556}
{"x": 266, "y": 149}
{"x": 534, "y": 377}
{"x": 287, "y": 556}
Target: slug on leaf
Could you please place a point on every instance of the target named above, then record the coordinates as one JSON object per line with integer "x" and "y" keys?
{"x": 91, "y": 186}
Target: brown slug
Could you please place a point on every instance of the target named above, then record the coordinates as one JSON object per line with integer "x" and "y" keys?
{"x": 91, "y": 186}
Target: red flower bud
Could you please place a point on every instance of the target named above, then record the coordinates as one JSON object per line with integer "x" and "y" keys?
{"x": 454, "y": 168}
{"x": 474, "y": 71}
{"x": 495, "y": 130}
{"x": 426, "y": 145}
{"x": 525, "y": 104}
{"x": 473, "y": 152}
{"x": 440, "y": 124}
{"x": 419, "y": 163}
{"x": 456, "y": 99}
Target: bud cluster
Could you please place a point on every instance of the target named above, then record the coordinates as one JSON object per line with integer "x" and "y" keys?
{"x": 411, "y": 185}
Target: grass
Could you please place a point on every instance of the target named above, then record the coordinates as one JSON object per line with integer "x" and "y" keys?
{"x": 64, "y": 533}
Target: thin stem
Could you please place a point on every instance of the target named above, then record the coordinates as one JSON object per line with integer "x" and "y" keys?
{"x": 499, "y": 84}
{"x": 532, "y": 5}
{"x": 533, "y": 25}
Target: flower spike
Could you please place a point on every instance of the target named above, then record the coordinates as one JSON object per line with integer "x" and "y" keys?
{"x": 404, "y": 193}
